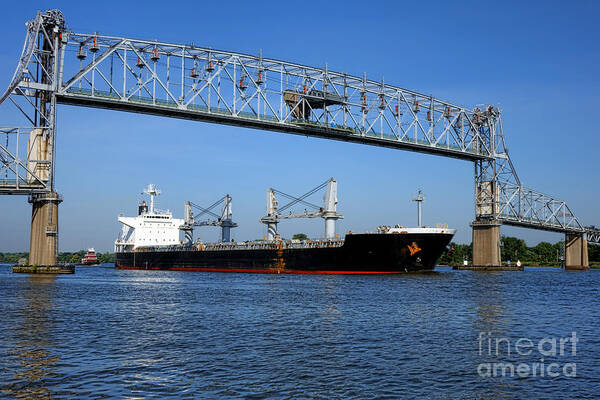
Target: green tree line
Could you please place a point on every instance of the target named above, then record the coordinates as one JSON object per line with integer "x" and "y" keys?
{"x": 514, "y": 249}
{"x": 67, "y": 257}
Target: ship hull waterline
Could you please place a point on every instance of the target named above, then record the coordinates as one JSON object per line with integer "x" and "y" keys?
{"x": 360, "y": 254}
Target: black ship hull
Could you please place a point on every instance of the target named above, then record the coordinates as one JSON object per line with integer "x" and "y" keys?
{"x": 359, "y": 254}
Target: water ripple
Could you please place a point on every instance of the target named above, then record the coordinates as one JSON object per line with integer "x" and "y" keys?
{"x": 105, "y": 333}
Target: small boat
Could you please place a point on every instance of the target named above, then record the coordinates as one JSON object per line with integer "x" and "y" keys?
{"x": 89, "y": 258}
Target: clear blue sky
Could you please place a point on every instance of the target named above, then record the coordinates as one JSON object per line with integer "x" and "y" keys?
{"x": 538, "y": 61}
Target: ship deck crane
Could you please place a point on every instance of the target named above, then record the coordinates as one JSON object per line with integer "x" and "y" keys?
{"x": 327, "y": 212}
{"x": 224, "y": 220}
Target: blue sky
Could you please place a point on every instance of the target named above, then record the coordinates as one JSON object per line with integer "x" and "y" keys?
{"x": 537, "y": 61}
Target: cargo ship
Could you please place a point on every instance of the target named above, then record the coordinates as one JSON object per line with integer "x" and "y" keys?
{"x": 151, "y": 241}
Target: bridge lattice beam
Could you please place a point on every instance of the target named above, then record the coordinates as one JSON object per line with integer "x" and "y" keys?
{"x": 593, "y": 235}
{"x": 191, "y": 82}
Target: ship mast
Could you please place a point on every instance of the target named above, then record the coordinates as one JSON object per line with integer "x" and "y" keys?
{"x": 419, "y": 198}
{"x": 152, "y": 191}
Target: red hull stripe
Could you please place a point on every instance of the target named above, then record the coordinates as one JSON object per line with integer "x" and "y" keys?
{"x": 265, "y": 271}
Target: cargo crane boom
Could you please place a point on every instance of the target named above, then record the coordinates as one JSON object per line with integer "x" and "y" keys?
{"x": 224, "y": 220}
{"x": 327, "y": 212}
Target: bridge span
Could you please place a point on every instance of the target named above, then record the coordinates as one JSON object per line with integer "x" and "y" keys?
{"x": 59, "y": 66}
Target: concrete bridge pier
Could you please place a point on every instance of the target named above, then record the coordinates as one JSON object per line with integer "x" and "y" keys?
{"x": 486, "y": 244}
{"x": 43, "y": 245}
{"x": 576, "y": 252}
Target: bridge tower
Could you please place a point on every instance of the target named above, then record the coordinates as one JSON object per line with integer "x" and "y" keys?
{"x": 486, "y": 226}
{"x": 43, "y": 244}
{"x": 33, "y": 91}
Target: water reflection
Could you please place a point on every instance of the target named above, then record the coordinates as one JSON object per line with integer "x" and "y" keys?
{"x": 330, "y": 312}
{"x": 33, "y": 352}
{"x": 488, "y": 300}
{"x": 491, "y": 320}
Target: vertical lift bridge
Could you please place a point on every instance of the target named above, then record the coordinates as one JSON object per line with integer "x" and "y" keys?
{"x": 59, "y": 66}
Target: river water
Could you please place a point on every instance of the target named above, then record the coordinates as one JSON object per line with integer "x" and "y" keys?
{"x": 160, "y": 334}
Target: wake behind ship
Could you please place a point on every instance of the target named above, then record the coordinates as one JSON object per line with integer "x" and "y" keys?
{"x": 151, "y": 241}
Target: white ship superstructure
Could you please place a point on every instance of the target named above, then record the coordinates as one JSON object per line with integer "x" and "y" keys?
{"x": 151, "y": 227}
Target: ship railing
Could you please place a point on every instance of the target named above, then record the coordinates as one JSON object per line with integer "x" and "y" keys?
{"x": 309, "y": 244}
{"x": 271, "y": 245}
{"x": 251, "y": 245}
{"x": 238, "y": 246}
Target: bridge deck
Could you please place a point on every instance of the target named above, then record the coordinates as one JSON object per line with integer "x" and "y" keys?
{"x": 145, "y": 105}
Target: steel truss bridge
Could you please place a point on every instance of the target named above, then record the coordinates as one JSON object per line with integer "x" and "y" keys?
{"x": 58, "y": 66}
